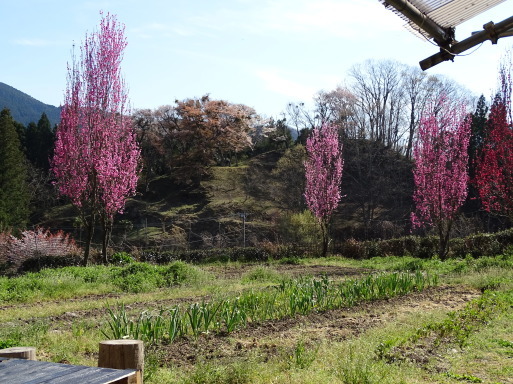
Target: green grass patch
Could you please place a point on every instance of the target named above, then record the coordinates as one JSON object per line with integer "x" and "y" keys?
{"x": 262, "y": 273}
{"x": 63, "y": 283}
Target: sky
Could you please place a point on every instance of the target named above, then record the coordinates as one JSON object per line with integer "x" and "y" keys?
{"x": 264, "y": 53}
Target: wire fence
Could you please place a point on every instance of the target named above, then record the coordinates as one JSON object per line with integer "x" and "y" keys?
{"x": 187, "y": 233}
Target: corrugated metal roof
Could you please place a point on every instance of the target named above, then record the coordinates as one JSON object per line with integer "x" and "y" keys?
{"x": 452, "y": 13}
{"x": 19, "y": 371}
{"x": 448, "y": 13}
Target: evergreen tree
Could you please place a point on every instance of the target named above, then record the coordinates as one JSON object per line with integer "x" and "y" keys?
{"x": 478, "y": 133}
{"x": 22, "y": 134}
{"x": 39, "y": 142}
{"x": 14, "y": 197}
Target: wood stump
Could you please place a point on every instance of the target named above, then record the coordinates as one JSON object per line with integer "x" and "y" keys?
{"x": 123, "y": 354}
{"x": 27, "y": 353}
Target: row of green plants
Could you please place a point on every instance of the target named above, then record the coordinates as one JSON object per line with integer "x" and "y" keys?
{"x": 291, "y": 297}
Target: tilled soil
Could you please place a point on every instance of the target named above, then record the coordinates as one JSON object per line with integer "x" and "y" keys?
{"x": 237, "y": 271}
{"x": 268, "y": 337}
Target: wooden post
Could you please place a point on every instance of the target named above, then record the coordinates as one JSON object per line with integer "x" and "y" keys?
{"x": 123, "y": 354}
{"x": 27, "y": 353}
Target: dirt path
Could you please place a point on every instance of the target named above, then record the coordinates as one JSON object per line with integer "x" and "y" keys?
{"x": 267, "y": 338}
{"x": 237, "y": 271}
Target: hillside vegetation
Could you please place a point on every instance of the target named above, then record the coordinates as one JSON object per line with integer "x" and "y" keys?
{"x": 24, "y": 108}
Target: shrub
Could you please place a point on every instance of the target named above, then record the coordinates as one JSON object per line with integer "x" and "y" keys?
{"x": 428, "y": 247}
{"x": 373, "y": 249}
{"x": 179, "y": 272}
{"x": 37, "y": 263}
{"x": 402, "y": 246}
{"x": 300, "y": 228}
{"x": 121, "y": 258}
{"x": 483, "y": 244}
{"x": 138, "y": 277}
{"x": 261, "y": 273}
{"x": 45, "y": 248}
{"x": 248, "y": 254}
{"x": 353, "y": 249}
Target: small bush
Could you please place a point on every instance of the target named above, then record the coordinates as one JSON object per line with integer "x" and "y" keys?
{"x": 261, "y": 273}
{"x": 179, "y": 272}
{"x": 300, "y": 228}
{"x": 372, "y": 249}
{"x": 428, "y": 247}
{"x": 48, "y": 249}
{"x": 353, "y": 249}
{"x": 138, "y": 277}
{"x": 483, "y": 244}
{"x": 7, "y": 344}
{"x": 121, "y": 258}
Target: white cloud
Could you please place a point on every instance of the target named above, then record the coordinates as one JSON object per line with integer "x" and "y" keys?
{"x": 276, "y": 82}
{"x": 160, "y": 30}
{"x": 34, "y": 42}
{"x": 336, "y": 18}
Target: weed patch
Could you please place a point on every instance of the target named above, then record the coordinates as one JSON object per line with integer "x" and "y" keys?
{"x": 455, "y": 329}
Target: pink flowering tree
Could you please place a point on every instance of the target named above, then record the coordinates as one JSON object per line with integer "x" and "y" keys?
{"x": 323, "y": 169}
{"x": 441, "y": 168}
{"x": 96, "y": 156}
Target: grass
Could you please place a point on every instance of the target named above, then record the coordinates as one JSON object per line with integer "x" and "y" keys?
{"x": 62, "y": 313}
{"x": 262, "y": 273}
{"x": 97, "y": 280}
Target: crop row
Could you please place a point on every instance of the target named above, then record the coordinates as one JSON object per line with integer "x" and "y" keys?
{"x": 290, "y": 297}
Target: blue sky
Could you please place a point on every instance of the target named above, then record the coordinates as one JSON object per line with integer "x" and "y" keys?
{"x": 260, "y": 53}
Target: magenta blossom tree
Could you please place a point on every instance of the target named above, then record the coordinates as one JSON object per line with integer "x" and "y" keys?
{"x": 323, "y": 169}
{"x": 440, "y": 171}
{"x": 96, "y": 156}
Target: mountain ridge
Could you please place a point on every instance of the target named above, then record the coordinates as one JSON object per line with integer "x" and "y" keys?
{"x": 25, "y": 108}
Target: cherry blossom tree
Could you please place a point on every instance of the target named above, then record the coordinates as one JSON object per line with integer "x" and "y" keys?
{"x": 441, "y": 167}
{"x": 323, "y": 170}
{"x": 494, "y": 171}
{"x": 96, "y": 156}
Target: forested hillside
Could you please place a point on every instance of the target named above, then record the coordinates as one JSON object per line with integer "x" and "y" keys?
{"x": 24, "y": 108}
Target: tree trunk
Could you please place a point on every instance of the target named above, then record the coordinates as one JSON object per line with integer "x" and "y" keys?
{"x": 444, "y": 231}
{"x": 325, "y": 237}
{"x": 89, "y": 238}
{"x": 107, "y": 231}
